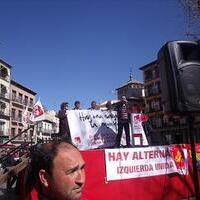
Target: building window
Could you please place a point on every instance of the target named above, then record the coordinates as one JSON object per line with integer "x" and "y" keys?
{"x": 155, "y": 105}
{"x": 20, "y": 97}
{"x": 26, "y": 100}
{"x": 147, "y": 108}
{"x": 12, "y": 132}
{"x": 13, "y": 114}
{"x": 31, "y": 102}
{"x": 2, "y": 107}
{"x": 20, "y": 116}
{"x": 3, "y": 73}
{"x": 19, "y": 131}
{"x": 31, "y": 133}
{"x": 148, "y": 75}
{"x": 3, "y": 91}
{"x": 155, "y": 88}
{"x": 132, "y": 86}
{"x": 14, "y": 95}
{"x": 156, "y": 72}
{"x": 2, "y": 128}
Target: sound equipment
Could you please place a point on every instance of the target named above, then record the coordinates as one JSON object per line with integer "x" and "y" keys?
{"x": 179, "y": 66}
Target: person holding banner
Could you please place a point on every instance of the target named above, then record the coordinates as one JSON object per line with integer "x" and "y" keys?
{"x": 123, "y": 122}
{"x": 94, "y": 106}
{"x": 63, "y": 122}
{"x": 109, "y": 106}
{"x": 77, "y": 105}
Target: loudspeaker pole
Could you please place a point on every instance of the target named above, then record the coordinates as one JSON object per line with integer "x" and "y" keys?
{"x": 190, "y": 120}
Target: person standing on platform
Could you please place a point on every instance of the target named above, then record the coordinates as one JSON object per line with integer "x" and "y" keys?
{"x": 123, "y": 122}
{"x": 77, "y": 105}
{"x": 55, "y": 172}
{"x": 94, "y": 106}
{"x": 63, "y": 122}
{"x": 109, "y": 106}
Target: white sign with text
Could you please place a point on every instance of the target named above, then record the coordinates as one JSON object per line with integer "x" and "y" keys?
{"x": 92, "y": 128}
{"x": 139, "y": 162}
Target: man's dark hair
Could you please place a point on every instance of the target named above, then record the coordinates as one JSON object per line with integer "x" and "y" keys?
{"x": 42, "y": 157}
{"x": 63, "y": 105}
{"x": 92, "y": 102}
{"x": 76, "y": 102}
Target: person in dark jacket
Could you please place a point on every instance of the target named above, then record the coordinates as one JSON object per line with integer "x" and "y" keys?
{"x": 123, "y": 122}
{"x": 63, "y": 122}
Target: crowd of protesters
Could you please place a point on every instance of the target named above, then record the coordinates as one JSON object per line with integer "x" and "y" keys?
{"x": 39, "y": 175}
{"x": 123, "y": 114}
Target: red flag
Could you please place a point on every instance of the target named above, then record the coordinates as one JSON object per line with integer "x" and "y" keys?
{"x": 144, "y": 118}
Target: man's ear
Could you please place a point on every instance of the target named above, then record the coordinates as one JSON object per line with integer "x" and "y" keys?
{"x": 44, "y": 177}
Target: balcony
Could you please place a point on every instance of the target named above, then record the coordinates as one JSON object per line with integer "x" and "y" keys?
{"x": 4, "y": 95}
{"x": 29, "y": 104}
{"x": 16, "y": 119}
{"x": 152, "y": 91}
{"x": 44, "y": 130}
{"x": 4, "y": 132}
{"x": 17, "y": 99}
{"x": 6, "y": 78}
{"x": 4, "y": 112}
{"x": 22, "y": 101}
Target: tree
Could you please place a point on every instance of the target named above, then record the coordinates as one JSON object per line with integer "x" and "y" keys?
{"x": 192, "y": 12}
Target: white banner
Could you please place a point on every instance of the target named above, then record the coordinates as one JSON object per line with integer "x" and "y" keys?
{"x": 139, "y": 136}
{"x": 92, "y": 128}
{"x": 141, "y": 162}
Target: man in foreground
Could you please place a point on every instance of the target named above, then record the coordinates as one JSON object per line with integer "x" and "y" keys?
{"x": 56, "y": 171}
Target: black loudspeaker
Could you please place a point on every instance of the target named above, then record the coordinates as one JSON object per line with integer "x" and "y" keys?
{"x": 179, "y": 66}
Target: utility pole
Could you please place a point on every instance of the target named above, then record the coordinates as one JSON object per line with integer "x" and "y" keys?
{"x": 190, "y": 120}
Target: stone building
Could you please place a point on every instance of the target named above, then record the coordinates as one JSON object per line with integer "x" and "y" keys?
{"x": 5, "y": 74}
{"x": 133, "y": 90}
{"x": 168, "y": 127}
{"x": 21, "y": 97}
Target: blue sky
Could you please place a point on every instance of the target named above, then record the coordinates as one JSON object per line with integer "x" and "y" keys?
{"x": 69, "y": 50}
